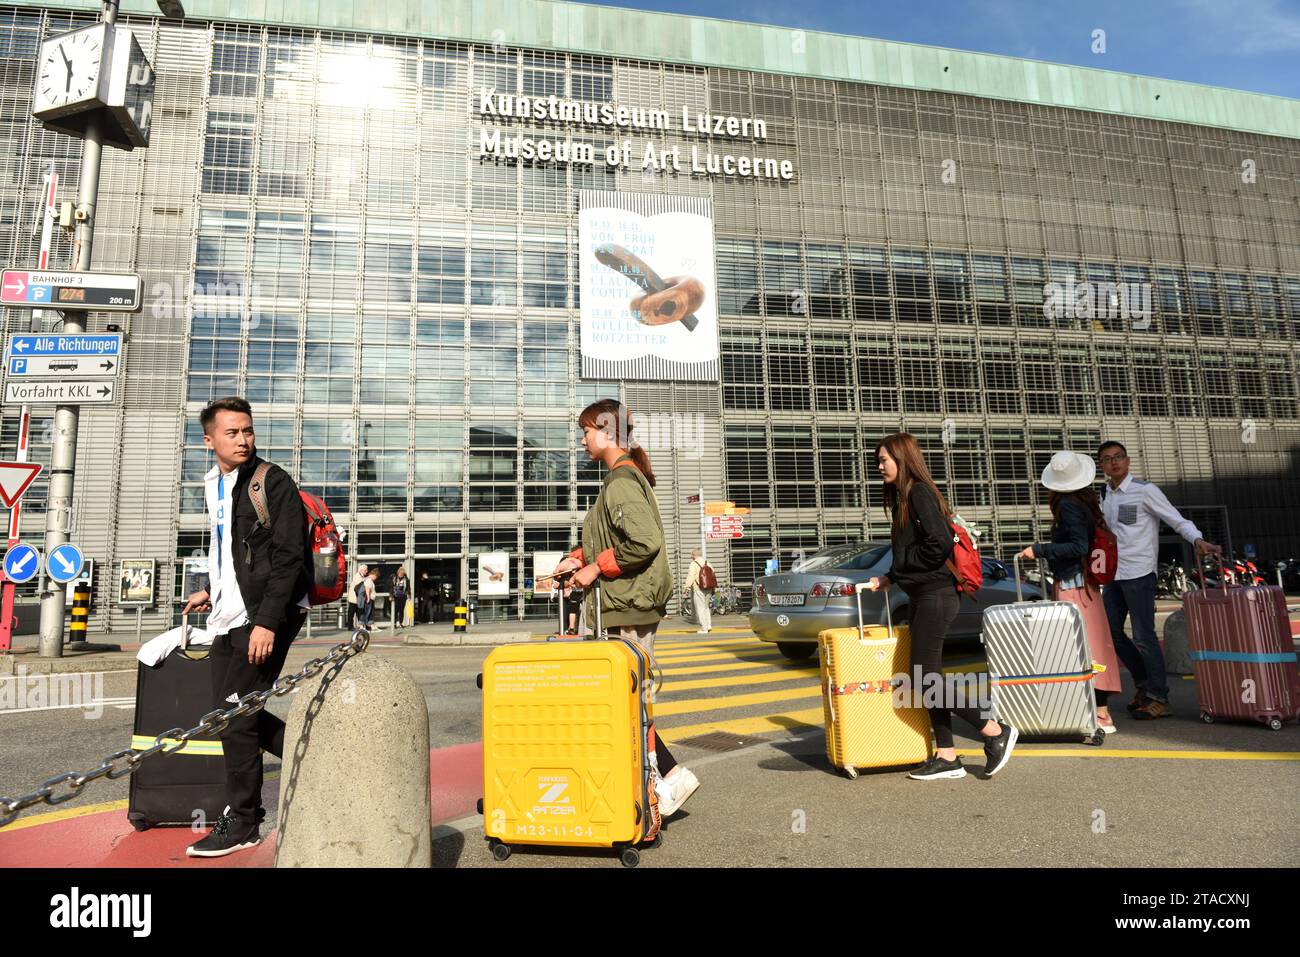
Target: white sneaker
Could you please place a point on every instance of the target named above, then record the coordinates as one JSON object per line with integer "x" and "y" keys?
{"x": 675, "y": 789}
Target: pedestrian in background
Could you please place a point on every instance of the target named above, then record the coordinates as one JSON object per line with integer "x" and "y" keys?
{"x": 357, "y": 579}
{"x": 1076, "y": 514}
{"x": 400, "y": 589}
{"x": 365, "y": 592}
{"x": 701, "y": 582}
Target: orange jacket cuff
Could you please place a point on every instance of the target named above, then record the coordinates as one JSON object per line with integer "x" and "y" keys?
{"x": 608, "y": 567}
{"x": 576, "y": 553}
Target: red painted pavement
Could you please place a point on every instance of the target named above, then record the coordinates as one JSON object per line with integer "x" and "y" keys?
{"x": 106, "y": 839}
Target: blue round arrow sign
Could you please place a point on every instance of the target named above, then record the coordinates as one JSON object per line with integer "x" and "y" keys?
{"x": 22, "y": 562}
{"x": 65, "y": 563}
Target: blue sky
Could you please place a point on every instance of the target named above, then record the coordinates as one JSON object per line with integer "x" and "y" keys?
{"x": 1243, "y": 44}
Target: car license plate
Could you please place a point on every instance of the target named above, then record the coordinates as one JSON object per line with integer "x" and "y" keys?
{"x": 786, "y": 599}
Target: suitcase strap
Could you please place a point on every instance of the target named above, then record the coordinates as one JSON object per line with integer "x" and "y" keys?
{"x": 862, "y": 687}
{"x": 143, "y": 742}
{"x": 1056, "y": 679}
{"x": 1246, "y": 656}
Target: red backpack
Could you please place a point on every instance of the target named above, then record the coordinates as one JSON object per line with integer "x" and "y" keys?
{"x": 329, "y": 565}
{"x": 707, "y": 580}
{"x": 965, "y": 563}
{"x": 1103, "y": 557}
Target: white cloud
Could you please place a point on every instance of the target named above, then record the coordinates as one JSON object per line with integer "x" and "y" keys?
{"x": 1259, "y": 27}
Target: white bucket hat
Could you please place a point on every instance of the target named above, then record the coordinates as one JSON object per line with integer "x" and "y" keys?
{"x": 1069, "y": 472}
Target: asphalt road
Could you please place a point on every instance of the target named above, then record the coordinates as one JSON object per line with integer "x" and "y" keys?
{"x": 775, "y": 801}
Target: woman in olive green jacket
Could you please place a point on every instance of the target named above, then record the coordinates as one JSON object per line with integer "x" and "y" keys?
{"x": 623, "y": 548}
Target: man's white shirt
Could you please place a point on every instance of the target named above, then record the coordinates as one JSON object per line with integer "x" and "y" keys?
{"x": 228, "y": 611}
{"x": 1134, "y": 512}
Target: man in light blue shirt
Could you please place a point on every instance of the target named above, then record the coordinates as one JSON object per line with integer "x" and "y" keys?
{"x": 1134, "y": 509}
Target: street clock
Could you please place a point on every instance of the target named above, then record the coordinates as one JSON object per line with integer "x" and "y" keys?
{"x": 70, "y": 73}
{"x": 96, "y": 73}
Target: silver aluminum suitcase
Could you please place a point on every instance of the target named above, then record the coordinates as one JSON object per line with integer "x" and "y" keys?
{"x": 1040, "y": 667}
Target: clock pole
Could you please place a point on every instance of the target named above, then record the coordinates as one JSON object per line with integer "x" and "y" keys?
{"x": 58, "y": 512}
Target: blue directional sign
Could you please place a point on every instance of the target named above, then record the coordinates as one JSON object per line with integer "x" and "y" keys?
{"x": 70, "y": 345}
{"x": 22, "y": 562}
{"x": 65, "y": 563}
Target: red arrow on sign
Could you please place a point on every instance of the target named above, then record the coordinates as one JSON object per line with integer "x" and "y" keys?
{"x": 18, "y": 283}
{"x": 15, "y": 477}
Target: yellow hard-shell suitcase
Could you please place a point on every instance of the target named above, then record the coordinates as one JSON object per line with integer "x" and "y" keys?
{"x": 566, "y": 736}
{"x": 859, "y": 671}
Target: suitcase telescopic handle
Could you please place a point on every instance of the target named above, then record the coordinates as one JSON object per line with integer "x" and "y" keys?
{"x": 185, "y": 631}
{"x": 1200, "y": 572}
{"x": 858, "y": 589}
{"x": 1020, "y": 595}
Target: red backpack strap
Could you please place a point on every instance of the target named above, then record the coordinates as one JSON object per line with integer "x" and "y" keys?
{"x": 257, "y": 493}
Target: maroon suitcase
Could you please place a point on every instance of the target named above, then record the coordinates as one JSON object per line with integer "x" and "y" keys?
{"x": 1242, "y": 654}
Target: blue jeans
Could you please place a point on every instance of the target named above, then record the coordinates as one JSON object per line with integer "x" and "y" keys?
{"x": 1136, "y": 598}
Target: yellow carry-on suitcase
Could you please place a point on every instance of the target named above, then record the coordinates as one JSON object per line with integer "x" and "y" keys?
{"x": 859, "y": 666}
{"x": 567, "y": 731}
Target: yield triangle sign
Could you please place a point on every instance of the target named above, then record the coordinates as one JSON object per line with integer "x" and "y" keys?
{"x": 15, "y": 477}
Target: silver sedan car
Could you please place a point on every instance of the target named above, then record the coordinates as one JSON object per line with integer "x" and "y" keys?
{"x": 792, "y": 608}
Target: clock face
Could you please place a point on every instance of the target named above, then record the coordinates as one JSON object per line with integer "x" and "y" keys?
{"x": 69, "y": 69}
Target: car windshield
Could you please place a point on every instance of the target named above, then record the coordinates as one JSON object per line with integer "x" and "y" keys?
{"x": 859, "y": 557}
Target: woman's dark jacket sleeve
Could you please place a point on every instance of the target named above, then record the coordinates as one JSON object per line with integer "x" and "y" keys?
{"x": 1071, "y": 540}
{"x": 931, "y": 547}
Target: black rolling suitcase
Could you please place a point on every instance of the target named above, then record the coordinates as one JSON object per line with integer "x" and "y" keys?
{"x": 178, "y": 789}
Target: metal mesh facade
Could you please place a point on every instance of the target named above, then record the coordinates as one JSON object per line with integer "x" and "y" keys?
{"x": 315, "y": 232}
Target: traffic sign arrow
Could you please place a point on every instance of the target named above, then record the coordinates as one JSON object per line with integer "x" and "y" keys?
{"x": 20, "y": 567}
{"x": 105, "y": 391}
{"x": 20, "y": 345}
{"x": 107, "y": 365}
{"x": 68, "y": 567}
{"x": 15, "y": 477}
{"x": 16, "y": 286}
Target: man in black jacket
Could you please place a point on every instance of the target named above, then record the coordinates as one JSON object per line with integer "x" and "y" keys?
{"x": 257, "y": 600}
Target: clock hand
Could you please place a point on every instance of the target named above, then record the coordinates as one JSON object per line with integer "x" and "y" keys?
{"x": 67, "y": 87}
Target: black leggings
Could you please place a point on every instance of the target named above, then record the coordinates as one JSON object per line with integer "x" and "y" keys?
{"x": 1103, "y": 697}
{"x": 932, "y": 613}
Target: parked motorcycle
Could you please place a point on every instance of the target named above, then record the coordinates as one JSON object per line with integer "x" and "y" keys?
{"x": 1171, "y": 581}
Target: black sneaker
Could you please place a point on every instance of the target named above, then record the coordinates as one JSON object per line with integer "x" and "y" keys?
{"x": 998, "y": 750}
{"x": 937, "y": 769}
{"x": 226, "y": 837}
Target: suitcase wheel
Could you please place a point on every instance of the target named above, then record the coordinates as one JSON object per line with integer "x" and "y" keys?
{"x": 852, "y": 773}
{"x": 478, "y": 805}
{"x": 1207, "y": 718}
{"x": 1098, "y": 738}
{"x": 479, "y": 681}
{"x": 1275, "y": 724}
{"x": 630, "y": 857}
{"x": 140, "y": 824}
{"x": 500, "y": 852}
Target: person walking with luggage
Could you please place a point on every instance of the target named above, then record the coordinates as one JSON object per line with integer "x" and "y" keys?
{"x": 1134, "y": 509}
{"x": 1076, "y": 515}
{"x": 256, "y": 603}
{"x": 623, "y": 548}
{"x": 357, "y": 579}
{"x": 701, "y": 582}
{"x": 399, "y": 588}
{"x": 922, "y": 541}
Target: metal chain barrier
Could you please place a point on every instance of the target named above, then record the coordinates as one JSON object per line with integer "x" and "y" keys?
{"x": 121, "y": 763}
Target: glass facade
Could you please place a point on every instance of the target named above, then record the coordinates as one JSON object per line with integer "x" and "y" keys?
{"x": 313, "y": 217}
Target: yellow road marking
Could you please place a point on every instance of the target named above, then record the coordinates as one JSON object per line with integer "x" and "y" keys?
{"x": 50, "y": 817}
{"x": 804, "y": 673}
{"x": 757, "y": 662}
{"x": 63, "y": 815}
{"x": 734, "y": 655}
{"x": 689, "y": 645}
{"x": 1088, "y": 752}
{"x": 663, "y": 709}
{"x": 766, "y": 724}
{"x": 712, "y": 631}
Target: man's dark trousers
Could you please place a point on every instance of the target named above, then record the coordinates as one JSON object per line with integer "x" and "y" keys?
{"x": 247, "y": 736}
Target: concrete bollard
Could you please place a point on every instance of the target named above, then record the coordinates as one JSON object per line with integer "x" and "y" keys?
{"x": 1178, "y": 660}
{"x": 354, "y": 788}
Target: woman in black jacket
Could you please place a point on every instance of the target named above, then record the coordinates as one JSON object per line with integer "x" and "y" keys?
{"x": 922, "y": 546}
{"x": 1076, "y": 514}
